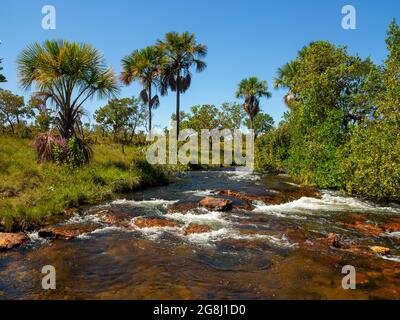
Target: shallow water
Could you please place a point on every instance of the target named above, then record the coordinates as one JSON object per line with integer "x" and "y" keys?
{"x": 266, "y": 252}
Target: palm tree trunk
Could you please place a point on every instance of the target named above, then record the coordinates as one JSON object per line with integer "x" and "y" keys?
{"x": 150, "y": 107}
{"x": 178, "y": 102}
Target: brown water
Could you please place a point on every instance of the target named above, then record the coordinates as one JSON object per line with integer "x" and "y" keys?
{"x": 265, "y": 252}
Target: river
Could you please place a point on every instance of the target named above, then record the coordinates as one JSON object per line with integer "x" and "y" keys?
{"x": 259, "y": 250}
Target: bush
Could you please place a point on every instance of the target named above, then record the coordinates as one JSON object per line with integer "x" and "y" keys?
{"x": 371, "y": 161}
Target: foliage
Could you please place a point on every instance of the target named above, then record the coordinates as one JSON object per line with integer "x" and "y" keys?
{"x": 66, "y": 74}
{"x": 342, "y": 127}
{"x": 371, "y": 161}
{"x": 12, "y": 109}
{"x": 182, "y": 52}
{"x": 121, "y": 118}
{"x": 43, "y": 191}
{"x": 146, "y": 67}
{"x": 262, "y": 124}
{"x": 2, "y": 77}
{"x": 251, "y": 90}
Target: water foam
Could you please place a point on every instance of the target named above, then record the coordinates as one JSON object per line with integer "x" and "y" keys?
{"x": 329, "y": 202}
{"x": 145, "y": 203}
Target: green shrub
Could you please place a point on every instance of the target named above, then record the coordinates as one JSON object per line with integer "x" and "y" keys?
{"x": 371, "y": 161}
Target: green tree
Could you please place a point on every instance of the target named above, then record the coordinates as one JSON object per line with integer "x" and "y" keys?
{"x": 201, "y": 117}
{"x": 251, "y": 90}
{"x": 2, "y": 78}
{"x": 43, "y": 115}
{"x": 232, "y": 115}
{"x": 121, "y": 118}
{"x": 262, "y": 124}
{"x": 12, "y": 109}
{"x": 145, "y": 66}
{"x": 66, "y": 74}
{"x": 183, "y": 52}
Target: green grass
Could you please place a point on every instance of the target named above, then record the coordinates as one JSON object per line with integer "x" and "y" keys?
{"x": 33, "y": 194}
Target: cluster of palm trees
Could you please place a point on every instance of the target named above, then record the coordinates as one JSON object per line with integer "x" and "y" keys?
{"x": 68, "y": 74}
{"x": 165, "y": 66}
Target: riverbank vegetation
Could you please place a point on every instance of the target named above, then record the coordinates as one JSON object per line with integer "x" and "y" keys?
{"x": 32, "y": 193}
{"x": 341, "y": 129}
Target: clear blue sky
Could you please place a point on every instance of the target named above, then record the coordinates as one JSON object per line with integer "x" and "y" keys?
{"x": 244, "y": 37}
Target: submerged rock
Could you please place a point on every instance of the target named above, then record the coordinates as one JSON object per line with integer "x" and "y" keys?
{"x": 68, "y": 231}
{"x": 154, "y": 223}
{"x": 365, "y": 228}
{"x": 115, "y": 218}
{"x": 11, "y": 240}
{"x": 182, "y": 207}
{"x": 216, "y": 204}
{"x": 380, "y": 250}
{"x": 196, "y": 228}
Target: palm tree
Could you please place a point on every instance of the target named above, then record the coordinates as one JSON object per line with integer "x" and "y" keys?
{"x": 285, "y": 76}
{"x": 182, "y": 52}
{"x": 145, "y": 66}
{"x": 251, "y": 90}
{"x": 66, "y": 74}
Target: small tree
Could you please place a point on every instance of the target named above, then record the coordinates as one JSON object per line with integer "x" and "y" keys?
{"x": 262, "y": 123}
{"x": 121, "y": 118}
{"x": 2, "y": 78}
{"x": 43, "y": 115}
{"x": 12, "y": 109}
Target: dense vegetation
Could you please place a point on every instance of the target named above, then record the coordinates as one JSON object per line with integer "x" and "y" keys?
{"x": 342, "y": 127}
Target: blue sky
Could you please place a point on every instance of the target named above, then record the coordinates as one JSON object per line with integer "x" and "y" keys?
{"x": 244, "y": 37}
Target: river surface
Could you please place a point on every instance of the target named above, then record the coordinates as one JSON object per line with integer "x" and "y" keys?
{"x": 256, "y": 251}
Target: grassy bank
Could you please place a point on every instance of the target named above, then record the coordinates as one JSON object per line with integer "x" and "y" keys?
{"x": 33, "y": 194}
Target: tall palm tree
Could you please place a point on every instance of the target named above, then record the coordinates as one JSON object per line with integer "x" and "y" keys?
{"x": 145, "y": 66}
{"x": 67, "y": 74}
{"x": 251, "y": 90}
{"x": 183, "y": 53}
{"x": 284, "y": 77}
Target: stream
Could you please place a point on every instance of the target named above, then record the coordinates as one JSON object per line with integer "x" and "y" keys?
{"x": 275, "y": 249}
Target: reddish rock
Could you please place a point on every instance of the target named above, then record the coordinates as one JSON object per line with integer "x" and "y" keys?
{"x": 182, "y": 207}
{"x": 196, "y": 228}
{"x": 334, "y": 240}
{"x": 68, "y": 231}
{"x": 392, "y": 227}
{"x": 117, "y": 219}
{"x": 380, "y": 250}
{"x": 216, "y": 204}
{"x": 11, "y": 240}
{"x": 365, "y": 228}
{"x": 154, "y": 223}
{"x": 277, "y": 198}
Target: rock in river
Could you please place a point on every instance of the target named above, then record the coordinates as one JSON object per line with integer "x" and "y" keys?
{"x": 216, "y": 204}
{"x": 11, "y": 240}
{"x": 154, "y": 223}
{"x": 380, "y": 250}
{"x": 197, "y": 228}
{"x": 68, "y": 231}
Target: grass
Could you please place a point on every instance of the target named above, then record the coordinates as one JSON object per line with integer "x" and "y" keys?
{"x": 34, "y": 194}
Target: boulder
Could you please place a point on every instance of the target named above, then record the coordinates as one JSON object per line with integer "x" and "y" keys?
{"x": 216, "y": 204}
{"x": 68, "y": 231}
{"x": 380, "y": 250}
{"x": 11, "y": 240}
{"x": 392, "y": 227}
{"x": 196, "y": 228}
{"x": 154, "y": 223}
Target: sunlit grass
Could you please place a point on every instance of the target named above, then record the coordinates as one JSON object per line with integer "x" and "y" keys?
{"x": 32, "y": 194}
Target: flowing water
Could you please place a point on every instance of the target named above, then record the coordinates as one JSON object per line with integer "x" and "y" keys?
{"x": 256, "y": 251}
